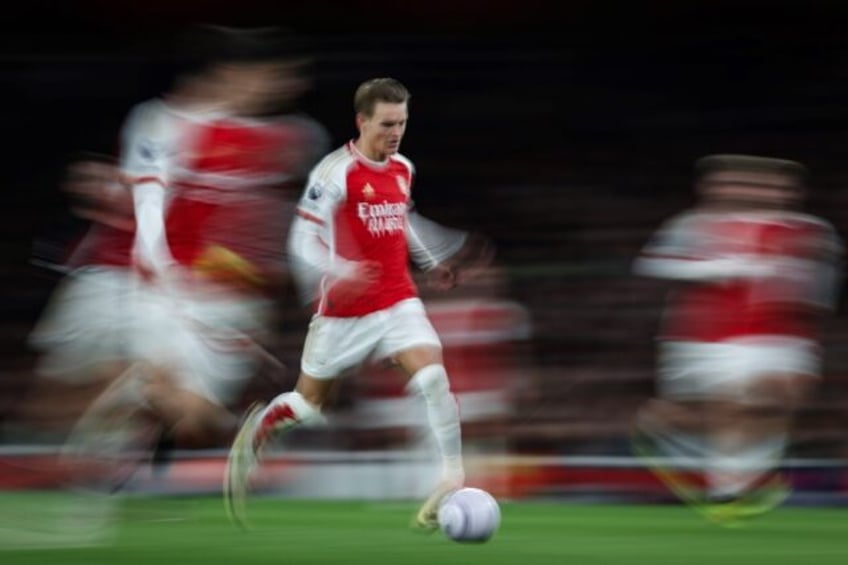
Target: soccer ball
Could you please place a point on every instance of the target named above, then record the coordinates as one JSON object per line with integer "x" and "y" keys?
{"x": 469, "y": 515}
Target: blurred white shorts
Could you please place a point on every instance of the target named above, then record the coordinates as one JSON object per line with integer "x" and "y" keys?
{"x": 207, "y": 341}
{"x": 334, "y": 345}
{"x": 84, "y": 324}
{"x": 690, "y": 370}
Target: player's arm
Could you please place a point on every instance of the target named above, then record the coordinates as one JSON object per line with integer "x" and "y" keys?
{"x": 431, "y": 244}
{"x": 819, "y": 275}
{"x": 144, "y": 164}
{"x": 676, "y": 252}
{"x": 450, "y": 256}
{"x": 312, "y": 258}
{"x": 98, "y": 194}
{"x": 699, "y": 269}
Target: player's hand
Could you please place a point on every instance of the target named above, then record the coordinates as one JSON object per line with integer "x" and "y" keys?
{"x": 474, "y": 259}
{"x": 442, "y": 277}
{"x": 98, "y": 194}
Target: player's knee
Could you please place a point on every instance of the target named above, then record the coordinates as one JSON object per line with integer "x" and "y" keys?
{"x": 431, "y": 381}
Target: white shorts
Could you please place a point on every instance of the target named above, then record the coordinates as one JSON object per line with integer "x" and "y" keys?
{"x": 334, "y": 345}
{"x": 84, "y": 324}
{"x": 208, "y": 342}
{"x": 694, "y": 371}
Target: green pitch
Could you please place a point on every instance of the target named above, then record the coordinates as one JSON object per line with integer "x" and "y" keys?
{"x": 187, "y": 531}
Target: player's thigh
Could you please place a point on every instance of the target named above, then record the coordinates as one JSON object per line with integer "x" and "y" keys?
{"x": 409, "y": 337}
{"x": 333, "y": 345}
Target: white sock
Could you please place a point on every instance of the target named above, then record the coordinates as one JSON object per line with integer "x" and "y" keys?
{"x": 443, "y": 416}
{"x": 288, "y": 410}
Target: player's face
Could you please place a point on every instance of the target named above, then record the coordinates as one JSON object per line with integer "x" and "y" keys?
{"x": 380, "y": 134}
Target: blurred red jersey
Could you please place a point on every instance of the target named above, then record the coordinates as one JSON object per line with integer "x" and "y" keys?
{"x": 103, "y": 245}
{"x": 227, "y": 187}
{"x": 224, "y": 177}
{"x": 749, "y": 274}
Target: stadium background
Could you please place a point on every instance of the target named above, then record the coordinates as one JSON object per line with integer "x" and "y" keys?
{"x": 564, "y": 131}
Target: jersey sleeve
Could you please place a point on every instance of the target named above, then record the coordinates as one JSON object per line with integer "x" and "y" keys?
{"x": 431, "y": 243}
{"x": 310, "y": 245}
{"x": 677, "y": 251}
{"x": 808, "y": 267}
{"x": 144, "y": 166}
{"x": 145, "y": 145}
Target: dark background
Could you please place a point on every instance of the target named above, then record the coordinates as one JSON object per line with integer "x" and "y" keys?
{"x": 564, "y": 130}
{"x": 623, "y": 95}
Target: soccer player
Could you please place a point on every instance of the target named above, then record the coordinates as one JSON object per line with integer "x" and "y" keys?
{"x": 351, "y": 242}
{"x": 78, "y": 335}
{"x": 738, "y": 347}
{"x": 209, "y": 166}
{"x": 207, "y": 170}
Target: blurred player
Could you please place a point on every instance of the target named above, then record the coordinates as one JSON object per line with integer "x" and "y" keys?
{"x": 738, "y": 346}
{"x": 209, "y": 167}
{"x": 80, "y": 339}
{"x": 80, "y": 334}
{"x": 352, "y": 240}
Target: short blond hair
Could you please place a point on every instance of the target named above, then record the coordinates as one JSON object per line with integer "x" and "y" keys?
{"x": 377, "y": 90}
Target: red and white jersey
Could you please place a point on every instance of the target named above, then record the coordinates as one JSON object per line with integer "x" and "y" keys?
{"x": 212, "y": 180}
{"x": 227, "y": 186}
{"x": 749, "y": 274}
{"x": 357, "y": 210}
{"x": 154, "y": 137}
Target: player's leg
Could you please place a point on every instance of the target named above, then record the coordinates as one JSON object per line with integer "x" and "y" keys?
{"x": 667, "y": 436}
{"x": 429, "y": 380}
{"x": 669, "y": 433}
{"x": 112, "y": 437}
{"x": 749, "y": 442}
{"x": 193, "y": 415}
{"x": 414, "y": 345}
{"x": 331, "y": 346}
{"x": 290, "y": 409}
{"x": 261, "y": 423}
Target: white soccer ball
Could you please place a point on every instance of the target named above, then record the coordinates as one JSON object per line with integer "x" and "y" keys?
{"x": 469, "y": 515}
